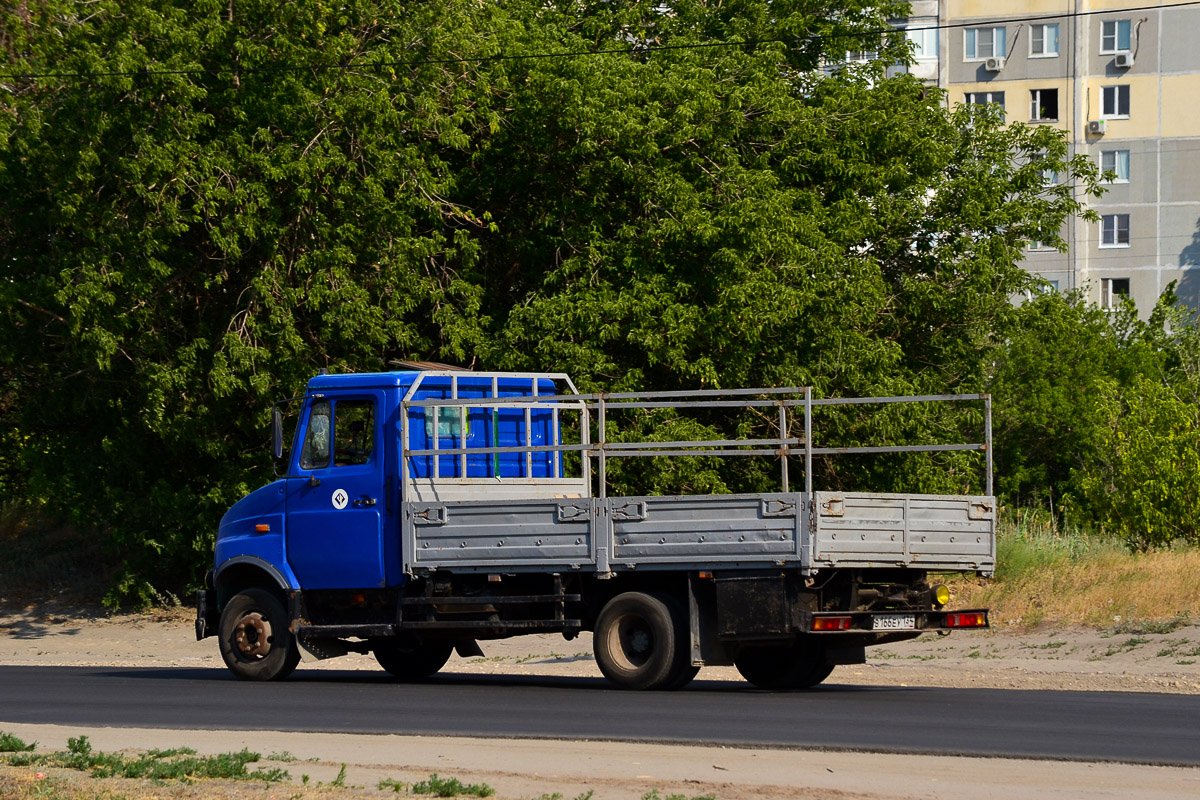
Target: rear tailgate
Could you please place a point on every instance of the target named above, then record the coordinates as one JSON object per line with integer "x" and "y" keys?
{"x": 935, "y": 532}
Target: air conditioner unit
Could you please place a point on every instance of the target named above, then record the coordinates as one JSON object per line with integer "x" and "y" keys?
{"x": 994, "y": 64}
{"x": 1096, "y": 127}
{"x": 1123, "y": 60}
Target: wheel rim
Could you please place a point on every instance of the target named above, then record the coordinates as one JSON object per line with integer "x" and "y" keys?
{"x": 633, "y": 641}
{"x": 252, "y": 637}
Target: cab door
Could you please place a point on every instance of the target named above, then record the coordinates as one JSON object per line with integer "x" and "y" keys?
{"x": 336, "y": 505}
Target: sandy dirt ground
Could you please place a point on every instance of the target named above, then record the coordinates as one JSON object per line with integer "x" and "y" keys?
{"x": 1127, "y": 658}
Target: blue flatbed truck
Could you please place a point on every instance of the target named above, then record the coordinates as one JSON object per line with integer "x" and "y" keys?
{"x": 419, "y": 512}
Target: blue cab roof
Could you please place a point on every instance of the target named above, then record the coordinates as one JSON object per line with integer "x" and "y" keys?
{"x": 404, "y": 379}
{"x": 362, "y": 380}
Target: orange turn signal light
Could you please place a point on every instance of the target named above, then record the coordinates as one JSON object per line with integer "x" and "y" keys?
{"x": 262, "y": 528}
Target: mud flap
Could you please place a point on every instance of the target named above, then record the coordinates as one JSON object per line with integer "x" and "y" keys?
{"x": 468, "y": 648}
{"x": 319, "y": 649}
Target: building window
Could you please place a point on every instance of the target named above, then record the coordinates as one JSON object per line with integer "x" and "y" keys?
{"x": 1043, "y": 105}
{"x": 861, "y": 56}
{"x": 981, "y": 43}
{"x": 1113, "y": 292}
{"x": 1114, "y": 36}
{"x": 1043, "y": 41}
{"x": 1114, "y": 102}
{"x": 1114, "y": 230}
{"x": 925, "y": 43}
{"x": 984, "y": 98}
{"x": 1040, "y": 246}
{"x": 1117, "y": 162}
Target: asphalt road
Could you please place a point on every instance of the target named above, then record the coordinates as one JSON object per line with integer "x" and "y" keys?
{"x": 1092, "y": 726}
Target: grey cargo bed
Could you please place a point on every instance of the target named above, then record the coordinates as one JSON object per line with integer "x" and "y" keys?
{"x": 947, "y": 532}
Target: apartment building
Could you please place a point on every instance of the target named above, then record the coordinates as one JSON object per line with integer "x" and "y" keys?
{"x": 1122, "y": 78}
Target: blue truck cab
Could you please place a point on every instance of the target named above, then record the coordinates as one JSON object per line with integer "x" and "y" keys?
{"x": 418, "y": 512}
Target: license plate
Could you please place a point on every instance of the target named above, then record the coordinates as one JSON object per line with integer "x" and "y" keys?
{"x": 894, "y": 622}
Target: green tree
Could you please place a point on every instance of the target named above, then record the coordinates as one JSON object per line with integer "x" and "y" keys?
{"x": 1143, "y": 484}
{"x": 206, "y": 201}
{"x": 1063, "y": 355}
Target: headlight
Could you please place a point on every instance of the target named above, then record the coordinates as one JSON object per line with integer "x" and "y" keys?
{"x": 941, "y": 595}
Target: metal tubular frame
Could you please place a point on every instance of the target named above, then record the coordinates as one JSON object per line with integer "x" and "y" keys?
{"x": 601, "y": 449}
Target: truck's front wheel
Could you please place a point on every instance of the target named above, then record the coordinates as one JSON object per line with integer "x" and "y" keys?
{"x": 254, "y": 637}
{"x": 793, "y": 666}
{"x": 641, "y": 643}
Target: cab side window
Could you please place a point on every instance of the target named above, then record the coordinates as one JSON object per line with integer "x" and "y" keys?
{"x": 315, "y": 454}
{"x": 354, "y": 432}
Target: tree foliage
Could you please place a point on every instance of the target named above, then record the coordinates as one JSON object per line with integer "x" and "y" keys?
{"x": 1099, "y": 417}
{"x": 206, "y": 201}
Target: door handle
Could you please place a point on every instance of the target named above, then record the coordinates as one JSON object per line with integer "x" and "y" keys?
{"x": 364, "y": 502}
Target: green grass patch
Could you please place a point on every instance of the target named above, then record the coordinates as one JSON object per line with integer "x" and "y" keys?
{"x": 12, "y": 744}
{"x": 451, "y": 787}
{"x": 1159, "y": 627}
{"x": 654, "y": 795}
{"x": 1028, "y": 540}
{"x": 180, "y": 763}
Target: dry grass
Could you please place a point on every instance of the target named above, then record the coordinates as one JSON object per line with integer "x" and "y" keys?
{"x": 1059, "y": 579}
{"x": 17, "y": 783}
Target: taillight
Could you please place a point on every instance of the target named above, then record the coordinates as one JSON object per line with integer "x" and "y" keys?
{"x": 973, "y": 619}
{"x": 831, "y": 623}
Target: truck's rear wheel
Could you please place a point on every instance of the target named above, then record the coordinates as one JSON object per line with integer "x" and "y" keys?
{"x": 641, "y": 643}
{"x": 793, "y": 666}
{"x": 412, "y": 661}
{"x": 254, "y": 637}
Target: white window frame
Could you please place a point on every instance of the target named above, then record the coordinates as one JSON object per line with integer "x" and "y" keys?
{"x": 1107, "y": 294}
{"x": 1119, "y": 158}
{"x": 1111, "y": 229}
{"x": 1115, "y": 93}
{"x": 1115, "y": 36}
{"x": 1037, "y": 246}
{"x": 998, "y": 43}
{"x": 1044, "y": 53}
{"x": 971, "y": 101}
{"x": 922, "y": 51}
{"x": 1035, "y": 96}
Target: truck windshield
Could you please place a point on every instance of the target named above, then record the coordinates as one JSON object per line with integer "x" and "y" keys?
{"x": 315, "y": 454}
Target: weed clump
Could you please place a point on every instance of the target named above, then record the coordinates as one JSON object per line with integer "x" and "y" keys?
{"x": 451, "y": 787}
{"x": 12, "y": 744}
{"x": 180, "y": 763}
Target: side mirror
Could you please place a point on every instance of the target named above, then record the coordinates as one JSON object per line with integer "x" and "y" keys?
{"x": 276, "y": 434}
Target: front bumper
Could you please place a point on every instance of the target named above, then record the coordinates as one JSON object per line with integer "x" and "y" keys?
{"x": 208, "y": 617}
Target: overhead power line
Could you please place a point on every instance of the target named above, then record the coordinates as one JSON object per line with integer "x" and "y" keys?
{"x": 640, "y": 49}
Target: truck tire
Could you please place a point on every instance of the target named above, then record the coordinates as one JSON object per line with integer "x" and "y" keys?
{"x": 412, "y": 661}
{"x": 793, "y": 666}
{"x": 254, "y": 637}
{"x": 641, "y": 643}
